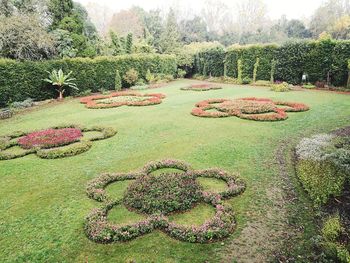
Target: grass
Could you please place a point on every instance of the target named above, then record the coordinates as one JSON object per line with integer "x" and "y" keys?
{"x": 196, "y": 216}
{"x": 212, "y": 184}
{"x": 43, "y": 202}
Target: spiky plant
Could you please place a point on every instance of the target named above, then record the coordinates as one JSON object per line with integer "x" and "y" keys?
{"x": 59, "y": 79}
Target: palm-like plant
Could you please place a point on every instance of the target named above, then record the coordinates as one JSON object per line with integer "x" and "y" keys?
{"x": 59, "y": 79}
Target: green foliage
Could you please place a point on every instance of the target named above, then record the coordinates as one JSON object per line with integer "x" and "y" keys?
{"x": 255, "y": 71}
{"x": 128, "y": 44}
{"x": 149, "y": 76}
{"x": 131, "y": 76}
{"x": 319, "y": 59}
{"x": 58, "y": 10}
{"x": 170, "y": 38}
{"x": 246, "y": 80}
{"x": 59, "y": 79}
{"x": 239, "y": 72}
{"x": 19, "y": 80}
{"x": 348, "y": 83}
{"x": 272, "y": 72}
{"x": 118, "y": 81}
{"x": 280, "y": 87}
{"x": 332, "y": 231}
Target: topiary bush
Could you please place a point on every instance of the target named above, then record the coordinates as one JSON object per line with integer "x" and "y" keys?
{"x": 131, "y": 76}
{"x": 22, "y": 79}
{"x": 280, "y": 87}
{"x": 321, "y": 168}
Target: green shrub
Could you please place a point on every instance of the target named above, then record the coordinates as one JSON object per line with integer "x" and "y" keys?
{"x": 246, "y": 80}
{"x": 263, "y": 83}
{"x": 118, "y": 81}
{"x": 181, "y": 73}
{"x": 280, "y": 87}
{"x": 22, "y": 79}
{"x": 332, "y": 231}
{"x": 255, "y": 72}
{"x": 131, "y": 76}
{"x": 286, "y": 62}
{"x": 348, "y": 83}
{"x": 309, "y": 86}
{"x": 149, "y": 76}
{"x": 239, "y": 70}
{"x": 317, "y": 170}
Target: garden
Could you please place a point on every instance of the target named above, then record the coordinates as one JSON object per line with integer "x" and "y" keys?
{"x": 126, "y": 151}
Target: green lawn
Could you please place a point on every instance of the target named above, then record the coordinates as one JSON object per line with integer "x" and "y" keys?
{"x": 43, "y": 202}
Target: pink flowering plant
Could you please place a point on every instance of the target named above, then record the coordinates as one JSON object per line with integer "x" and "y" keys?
{"x": 158, "y": 196}
{"x": 56, "y": 142}
{"x": 122, "y": 98}
{"x": 258, "y": 109}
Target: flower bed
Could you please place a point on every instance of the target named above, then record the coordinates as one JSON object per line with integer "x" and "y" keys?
{"x": 130, "y": 99}
{"x": 56, "y": 142}
{"x": 50, "y": 138}
{"x": 159, "y": 195}
{"x": 258, "y": 109}
{"x": 201, "y": 87}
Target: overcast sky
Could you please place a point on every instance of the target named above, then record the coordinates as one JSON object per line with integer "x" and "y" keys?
{"x": 276, "y": 8}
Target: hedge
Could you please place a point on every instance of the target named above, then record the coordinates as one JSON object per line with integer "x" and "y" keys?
{"x": 22, "y": 79}
{"x": 315, "y": 58}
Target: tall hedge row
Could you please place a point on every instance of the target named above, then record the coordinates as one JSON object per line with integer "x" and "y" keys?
{"x": 22, "y": 79}
{"x": 317, "y": 59}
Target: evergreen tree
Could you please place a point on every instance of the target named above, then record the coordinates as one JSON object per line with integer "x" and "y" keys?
{"x": 118, "y": 81}
{"x": 115, "y": 44}
{"x": 240, "y": 71}
{"x": 170, "y": 38}
{"x": 59, "y": 9}
{"x": 128, "y": 45}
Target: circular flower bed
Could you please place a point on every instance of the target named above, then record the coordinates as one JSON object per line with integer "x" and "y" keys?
{"x": 159, "y": 195}
{"x": 50, "y": 138}
{"x": 259, "y": 109}
{"x": 202, "y": 87}
{"x": 123, "y": 98}
{"x": 56, "y": 142}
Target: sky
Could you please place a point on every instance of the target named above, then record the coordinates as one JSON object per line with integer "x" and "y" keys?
{"x": 291, "y": 8}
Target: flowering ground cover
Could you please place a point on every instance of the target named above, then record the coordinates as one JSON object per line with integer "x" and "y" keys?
{"x": 258, "y": 109}
{"x": 161, "y": 195}
{"x": 43, "y": 202}
{"x": 123, "y": 98}
{"x": 202, "y": 87}
{"x": 57, "y": 142}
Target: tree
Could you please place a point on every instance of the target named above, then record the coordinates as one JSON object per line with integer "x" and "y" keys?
{"x": 296, "y": 29}
{"x": 128, "y": 46}
{"x": 127, "y": 21}
{"x": 154, "y": 25}
{"x": 194, "y": 30}
{"x": 58, "y": 10}
{"x": 118, "y": 81}
{"x": 215, "y": 14}
{"x": 23, "y": 37}
{"x": 341, "y": 28}
{"x": 170, "y": 38}
{"x": 60, "y": 80}
{"x": 115, "y": 44}
{"x": 6, "y": 7}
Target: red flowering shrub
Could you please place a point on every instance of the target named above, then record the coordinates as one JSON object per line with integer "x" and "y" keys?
{"x": 100, "y": 101}
{"x": 50, "y": 138}
{"x": 56, "y": 142}
{"x": 202, "y": 87}
{"x": 259, "y": 109}
{"x": 159, "y": 195}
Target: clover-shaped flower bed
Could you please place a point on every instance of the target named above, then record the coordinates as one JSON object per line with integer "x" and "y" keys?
{"x": 201, "y": 87}
{"x": 122, "y": 98}
{"x": 258, "y": 109}
{"x": 56, "y": 142}
{"x": 157, "y": 196}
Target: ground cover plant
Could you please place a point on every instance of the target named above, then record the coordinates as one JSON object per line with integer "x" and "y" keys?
{"x": 56, "y": 142}
{"x": 201, "y": 87}
{"x": 160, "y": 195}
{"x": 43, "y": 203}
{"x": 258, "y": 109}
{"x": 124, "y": 98}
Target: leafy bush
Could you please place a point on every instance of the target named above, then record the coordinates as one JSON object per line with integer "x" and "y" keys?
{"x": 239, "y": 70}
{"x": 58, "y": 79}
{"x": 280, "y": 87}
{"x": 181, "y": 73}
{"x": 333, "y": 241}
{"x": 309, "y": 86}
{"x": 255, "y": 71}
{"x": 149, "y": 76}
{"x": 118, "y": 81}
{"x": 131, "y": 76}
{"x": 27, "y": 103}
{"x": 246, "y": 81}
{"x": 22, "y": 79}
{"x": 263, "y": 83}
{"x": 319, "y": 167}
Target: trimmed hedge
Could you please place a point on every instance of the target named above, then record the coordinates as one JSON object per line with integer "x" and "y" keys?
{"x": 22, "y": 79}
{"x": 315, "y": 58}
